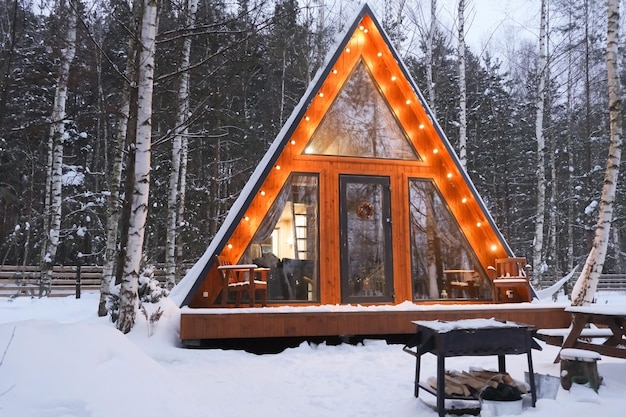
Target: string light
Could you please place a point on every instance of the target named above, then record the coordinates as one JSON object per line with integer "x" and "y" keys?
{"x": 307, "y": 118}
{"x": 464, "y": 200}
{"x": 321, "y": 94}
{"x": 408, "y": 102}
{"x": 230, "y": 246}
{"x": 422, "y": 126}
{"x": 393, "y": 78}
{"x": 435, "y": 150}
{"x": 348, "y": 50}
{"x": 479, "y": 224}
{"x": 494, "y": 248}
{"x": 379, "y": 54}
{"x": 449, "y": 175}
{"x": 277, "y": 167}
{"x": 262, "y": 192}
{"x": 293, "y": 142}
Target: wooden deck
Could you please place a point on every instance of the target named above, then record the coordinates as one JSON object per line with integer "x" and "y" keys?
{"x": 198, "y": 325}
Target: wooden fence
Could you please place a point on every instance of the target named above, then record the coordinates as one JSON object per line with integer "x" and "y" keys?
{"x": 612, "y": 282}
{"x": 66, "y": 280}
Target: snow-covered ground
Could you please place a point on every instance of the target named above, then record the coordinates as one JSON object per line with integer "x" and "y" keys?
{"x": 58, "y": 359}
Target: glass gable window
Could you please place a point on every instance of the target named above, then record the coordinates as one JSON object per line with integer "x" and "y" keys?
{"x": 360, "y": 123}
{"x": 287, "y": 242}
{"x": 443, "y": 264}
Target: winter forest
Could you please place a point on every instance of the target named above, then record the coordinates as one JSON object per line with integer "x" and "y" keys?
{"x": 119, "y": 113}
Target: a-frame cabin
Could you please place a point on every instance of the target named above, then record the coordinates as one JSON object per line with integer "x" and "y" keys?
{"x": 360, "y": 199}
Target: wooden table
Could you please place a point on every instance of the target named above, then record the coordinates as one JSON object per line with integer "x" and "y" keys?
{"x": 472, "y": 337}
{"x": 608, "y": 316}
{"x": 464, "y": 283}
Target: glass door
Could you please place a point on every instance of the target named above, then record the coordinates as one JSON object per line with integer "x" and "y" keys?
{"x": 366, "y": 261}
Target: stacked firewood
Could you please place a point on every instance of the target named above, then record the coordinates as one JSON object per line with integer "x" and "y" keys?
{"x": 471, "y": 384}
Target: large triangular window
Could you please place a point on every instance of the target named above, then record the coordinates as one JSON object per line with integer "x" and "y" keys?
{"x": 359, "y": 123}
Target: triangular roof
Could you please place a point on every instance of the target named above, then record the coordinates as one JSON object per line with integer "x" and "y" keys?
{"x": 425, "y": 138}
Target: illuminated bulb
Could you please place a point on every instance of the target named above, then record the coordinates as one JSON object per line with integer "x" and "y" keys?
{"x": 334, "y": 71}
{"x": 478, "y": 224}
{"x": 293, "y": 142}
{"x": 494, "y": 248}
{"x": 449, "y": 175}
{"x": 365, "y": 30}
{"x": 408, "y": 102}
{"x": 421, "y": 125}
{"x": 361, "y": 27}
{"x": 262, "y": 192}
{"x": 230, "y": 246}
{"x": 464, "y": 200}
{"x": 393, "y": 78}
{"x": 321, "y": 94}
{"x": 435, "y": 150}
{"x": 246, "y": 218}
{"x": 380, "y": 54}
{"x": 307, "y": 118}
{"x": 348, "y": 50}
{"x": 278, "y": 167}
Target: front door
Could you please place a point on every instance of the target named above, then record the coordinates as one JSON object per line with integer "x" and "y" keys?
{"x": 366, "y": 261}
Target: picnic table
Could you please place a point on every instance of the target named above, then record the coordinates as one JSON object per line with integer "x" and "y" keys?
{"x": 612, "y": 317}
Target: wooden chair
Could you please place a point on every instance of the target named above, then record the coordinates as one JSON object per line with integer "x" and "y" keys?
{"x": 510, "y": 280}
{"x": 240, "y": 279}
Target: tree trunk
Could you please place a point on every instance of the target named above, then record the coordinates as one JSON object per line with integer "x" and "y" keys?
{"x": 141, "y": 173}
{"x": 541, "y": 170}
{"x": 115, "y": 179}
{"x": 176, "y": 184}
{"x": 53, "y": 197}
{"x": 429, "y": 57}
{"x": 570, "y": 161}
{"x": 462, "y": 88}
{"x": 585, "y": 288}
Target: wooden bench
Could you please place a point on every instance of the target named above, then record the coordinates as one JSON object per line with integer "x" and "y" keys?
{"x": 555, "y": 337}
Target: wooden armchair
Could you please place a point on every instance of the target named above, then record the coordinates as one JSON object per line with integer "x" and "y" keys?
{"x": 510, "y": 280}
{"x": 240, "y": 279}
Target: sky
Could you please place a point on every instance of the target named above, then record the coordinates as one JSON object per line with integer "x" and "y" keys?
{"x": 58, "y": 359}
{"x": 492, "y": 23}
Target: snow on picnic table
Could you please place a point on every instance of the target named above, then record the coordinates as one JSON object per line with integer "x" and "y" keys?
{"x": 57, "y": 359}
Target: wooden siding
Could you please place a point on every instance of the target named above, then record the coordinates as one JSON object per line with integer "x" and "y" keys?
{"x": 253, "y": 324}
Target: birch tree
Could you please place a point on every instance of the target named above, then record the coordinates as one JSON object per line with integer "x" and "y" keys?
{"x": 462, "y": 88}
{"x": 177, "y": 184}
{"x": 541, "y": 146}
{"x": 141, "y": 173}
{"x": 115, "y": 178}
{"x": 53, "y": 194}
{"x": 585, "y": 287}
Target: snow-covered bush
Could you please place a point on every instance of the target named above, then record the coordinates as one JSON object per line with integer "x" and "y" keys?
{"x": 149, "y": 291}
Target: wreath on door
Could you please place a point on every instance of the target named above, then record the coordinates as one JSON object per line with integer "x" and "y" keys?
{"x": 365, "y": 210}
